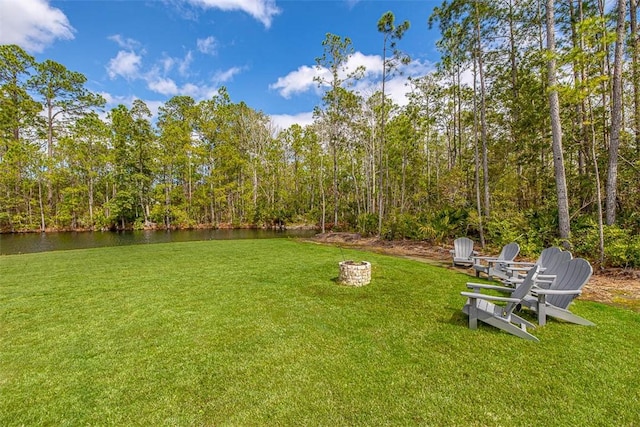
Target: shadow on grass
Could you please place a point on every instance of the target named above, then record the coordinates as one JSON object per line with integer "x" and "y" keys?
{"x": 457, "y": 317}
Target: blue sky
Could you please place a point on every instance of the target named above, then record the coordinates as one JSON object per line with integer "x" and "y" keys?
{"x": 263, "y": 51}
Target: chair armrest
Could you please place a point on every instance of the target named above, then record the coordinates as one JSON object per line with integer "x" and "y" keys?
{"x": 488, "y": 297}
{"x": 556, "y": 291}
{"x": 476, "y": 286}
{"x": 451, "y": 251}
{"x": 512, "y": 268}
{"x": 513, "y": 282}
{"x": 519, "y": 263}
{"x": 486, "y": 258}
{"x": 542, "y": 284}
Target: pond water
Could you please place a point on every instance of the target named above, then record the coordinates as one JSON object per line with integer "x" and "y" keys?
{"x": 17, "y": 243}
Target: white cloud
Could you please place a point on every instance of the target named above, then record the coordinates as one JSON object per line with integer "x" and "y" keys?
{"x": 396, "y": 87}
{"x": 32, "y": 24}
{"x": 262, "y": 10}
{"x": 371, "y": 63}
{"x": 124, "y": 43}
{"x": 168, "y": 87}
{"x": 284, "y": 121}
{"x": 184, "y": 64}
{"x": 126, "y": 64}
{"x": 115, "y": 100}
{"x": 298, "y": 81}
{"x": 302, "y": 79}
{"x": 305, "y": 77}
{"x": 466, "y": 78}
{"x": 208, "y": 45}
{"x": 164, "y": 86}
{"x": 225, "y": 76}
{"x": 167, "y": 64}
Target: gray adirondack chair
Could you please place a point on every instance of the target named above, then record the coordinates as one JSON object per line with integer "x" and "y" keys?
{"x": 463, "y": 252}
{"x": 496, "y": 266}
{"x": 480, "y": 307}
{"x": 554, "y": 300}
{"x": 513, "y": 268}
{"x": 549, "y": 261}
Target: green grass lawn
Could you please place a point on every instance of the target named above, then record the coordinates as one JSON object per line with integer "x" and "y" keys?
{"x": 257, "y": 332}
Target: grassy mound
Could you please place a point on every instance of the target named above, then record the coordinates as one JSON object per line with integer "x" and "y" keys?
{"x": 258, "y": 332}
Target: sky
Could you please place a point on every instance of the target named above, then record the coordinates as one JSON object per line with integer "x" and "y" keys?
{"x": 262, "y": 51}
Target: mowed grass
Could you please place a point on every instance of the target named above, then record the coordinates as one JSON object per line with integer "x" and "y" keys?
{"x": 257, "y": 332}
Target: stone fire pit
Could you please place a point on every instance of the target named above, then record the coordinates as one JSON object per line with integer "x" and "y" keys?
{"x": 355, "y": 273}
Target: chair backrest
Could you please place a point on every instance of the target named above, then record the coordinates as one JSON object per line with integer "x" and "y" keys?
{"x": 552, "y": 265}
{"x": 463, "y": 247}
{"x": 570, "y": 276}
{"x": 547, "y": 255}
{"x": 509, "y": 252}
{"x": 522, "y": 290}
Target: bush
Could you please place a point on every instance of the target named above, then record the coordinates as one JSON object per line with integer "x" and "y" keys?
{"x": 621, "y": 249}
{"x": 403, "y": 226}
{"x": 367, "y": 224}
{"x": 445, "y": 224}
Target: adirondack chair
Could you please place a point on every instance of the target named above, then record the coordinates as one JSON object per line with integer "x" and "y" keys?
{"x": 555, "y": 299}
{"x": 463, "y": 252}
{"x": 480, "y": 307}
{"x": 495, "y": 266}
{"x": 513, "y": 268}
{"x": 548, "y": 262}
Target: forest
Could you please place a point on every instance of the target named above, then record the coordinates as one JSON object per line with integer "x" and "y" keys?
{"x": 540, "y": 145}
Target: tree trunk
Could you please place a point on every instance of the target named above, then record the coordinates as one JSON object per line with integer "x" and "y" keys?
{"x": 606, "y": 71}
{"x": 580, "y": 135}
{"x": 483, "y": 120}
{"x": 91, "y": 200}
{"x": 635, "y": 69}
{"x": 42, "y": 222}
{"x": 477, "y": 159}
{"x": 598, "y": 185}
{"x": 616, "y": 117}
{"x": 322, "y": 195}
{"x": 564, "y": 227}
{"x": 334, "y": 154}
{"x": 381, "y": 144}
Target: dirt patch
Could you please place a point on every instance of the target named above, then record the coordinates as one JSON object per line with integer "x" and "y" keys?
{"x": 618, "y": 287}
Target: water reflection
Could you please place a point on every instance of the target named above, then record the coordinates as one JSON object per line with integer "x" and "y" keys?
{"x": 41, "y": 242}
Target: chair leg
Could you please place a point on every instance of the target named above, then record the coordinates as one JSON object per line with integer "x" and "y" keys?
{"x": 542, "y": 309}
{"x": 510, "y": 328}
{"x": 522, "y": 322}
{"x": 567, "y": 316}
{"x": 473, "y": 313}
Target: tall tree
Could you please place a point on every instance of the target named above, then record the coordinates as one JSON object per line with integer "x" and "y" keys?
{"x": 143, "y": 152}
{"x": 85, "y": 153}
{"x": 334, "y": 59}
{"x": 616, "y": 116}
{"x": 63, "y": 95}
{"x": 392, "y": 58}
{"x": 18, "y": 109}
{"x": 176, "y": 122}
{"x": 634, "y": 43}
{"x": 213, "y": 127}
{"x": 19, "y": 155}
{"x": 564, "y": 227}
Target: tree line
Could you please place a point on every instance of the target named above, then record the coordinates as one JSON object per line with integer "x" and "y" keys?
{"x": 529, "y": 130}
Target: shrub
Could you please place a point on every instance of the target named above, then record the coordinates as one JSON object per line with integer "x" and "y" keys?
{"x": 367, "y": 224}
{"x": 445, "y": 224}
{"x": 500, "y": 231}
{"x": 621, "y": 249}
{"x": 403, "y": 226}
